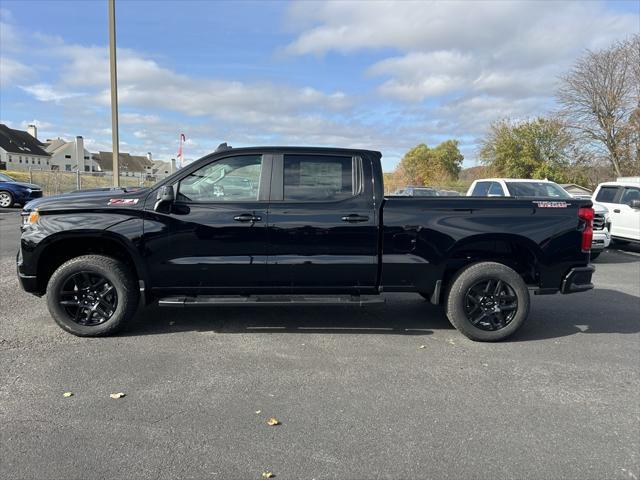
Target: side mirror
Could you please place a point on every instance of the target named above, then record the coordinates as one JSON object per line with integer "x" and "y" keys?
{"x": 165, "y": 199}
{"x": 635, "y": 204}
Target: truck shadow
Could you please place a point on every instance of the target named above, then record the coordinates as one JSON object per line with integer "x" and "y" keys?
{"x": 411, "y": 315}
{"x": 600, "y": 311}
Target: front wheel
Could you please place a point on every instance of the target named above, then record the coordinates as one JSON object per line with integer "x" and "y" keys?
{"x": 92, "y": 295}
{"x": 6, "y": 199}
{"x": 487, "y": 301}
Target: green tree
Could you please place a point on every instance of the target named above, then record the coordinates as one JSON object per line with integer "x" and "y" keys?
{"x": 431, "y": 166}
{"x": 539, "y": 148}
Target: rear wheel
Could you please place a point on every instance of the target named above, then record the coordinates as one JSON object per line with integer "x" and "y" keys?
{"x": 487, "y": 301}
{"x": 6, "y": 199}
{"x": 92, "y": 295}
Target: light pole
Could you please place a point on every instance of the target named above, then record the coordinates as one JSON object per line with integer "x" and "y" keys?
{"x": 114, "y": 93}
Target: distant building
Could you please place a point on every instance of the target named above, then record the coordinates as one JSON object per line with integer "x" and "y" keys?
{"x": 576, "y": 190}
{"x": 162, "y": 168}
{"x": 129, "y": 164}
{"x": 70, "y": 156}
{"x": 20, "y": 150}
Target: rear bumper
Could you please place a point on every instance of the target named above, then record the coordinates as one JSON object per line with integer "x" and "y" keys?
{"x": 578, "y": 280}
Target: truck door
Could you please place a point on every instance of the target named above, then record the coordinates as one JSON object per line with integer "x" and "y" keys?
{"x": 323, "y": 227}
{"x": 625, "y": 218}
{"x": 215, "y": 235}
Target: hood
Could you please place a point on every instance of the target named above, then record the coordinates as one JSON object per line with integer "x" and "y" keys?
{"x": 90, "y": 199}
{"x": 32, "y": 186}
{"x": 600, "y": 208}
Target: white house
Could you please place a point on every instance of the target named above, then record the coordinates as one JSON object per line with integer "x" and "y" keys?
{"x": 20, "y": 150}
{"x": 70, "y": 156}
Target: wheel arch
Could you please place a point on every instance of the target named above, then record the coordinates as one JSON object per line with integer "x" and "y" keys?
{"x": 63, "y": 246}
{"x": 515, "y": 251}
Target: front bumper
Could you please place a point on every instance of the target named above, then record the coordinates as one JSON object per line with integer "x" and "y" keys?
{"x": 29, "y": 283}
{"x": 578, "y": 280}
{"x": 601, "y": 240}
{"x": 25, "y": 197}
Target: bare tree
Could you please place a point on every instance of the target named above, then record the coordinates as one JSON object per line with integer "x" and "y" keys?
{"x": 600, "y": 98}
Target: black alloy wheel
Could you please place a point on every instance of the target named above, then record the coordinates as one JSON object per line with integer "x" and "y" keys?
{"x": 491, "y": 304}
{"x": 88, "y": 298}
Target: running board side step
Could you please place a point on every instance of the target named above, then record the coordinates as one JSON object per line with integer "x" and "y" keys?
{"x": 271, "y": 300}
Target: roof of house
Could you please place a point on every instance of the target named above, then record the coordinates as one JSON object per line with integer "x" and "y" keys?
{"x": 161, "y": 165}
{"x": 19, "y": 141}
{"x": 53, "y": 145}
{"x": 574, "y": 186}
{"x": 131, "y": 163}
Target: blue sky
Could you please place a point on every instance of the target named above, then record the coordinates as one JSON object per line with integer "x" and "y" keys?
{"x": 380, "y": 75}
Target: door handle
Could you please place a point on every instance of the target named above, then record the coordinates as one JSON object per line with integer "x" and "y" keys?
{"x": 247, "y": 217}
{"x": 616, "y": 210}
{"x": 353, "y": 218}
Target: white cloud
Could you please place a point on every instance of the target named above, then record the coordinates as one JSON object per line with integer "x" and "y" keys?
{"x": 38, "y": 123}
{"x": 12, "y": 71}
{"x": 48, "y": 93}
{"x": 486, "y": 47}
{"x": 459, "y": 65}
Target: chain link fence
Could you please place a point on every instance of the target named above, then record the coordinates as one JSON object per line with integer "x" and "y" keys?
{"x": 55, "y": 182}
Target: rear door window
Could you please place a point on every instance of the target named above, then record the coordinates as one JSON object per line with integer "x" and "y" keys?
{"x": 320, "y": 178}
{"x": 607, "y": 194}
{"x": 630, "y": 194}
{"x": 496, "y": 189}
{"x": 481, "y": 189}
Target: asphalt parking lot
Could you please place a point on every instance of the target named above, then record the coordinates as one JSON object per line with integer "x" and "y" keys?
{"x": 356, "y": 395}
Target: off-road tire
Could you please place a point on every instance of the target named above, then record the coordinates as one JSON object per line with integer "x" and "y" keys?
{"x": 470, "y": 276}
{"x": 116, "y": 272}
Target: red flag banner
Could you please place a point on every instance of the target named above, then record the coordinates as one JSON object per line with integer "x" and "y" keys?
{"x": 182, "y": 140}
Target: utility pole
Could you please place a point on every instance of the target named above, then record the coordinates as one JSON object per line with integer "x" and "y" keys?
{"x": 114, "y": 94}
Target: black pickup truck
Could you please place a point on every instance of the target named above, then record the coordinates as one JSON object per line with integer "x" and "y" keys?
{"x": 284, "y": 225}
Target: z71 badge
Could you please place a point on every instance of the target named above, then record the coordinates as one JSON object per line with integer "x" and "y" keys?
{"x": 551, "y": 204}
{"x": 122, "y": 201}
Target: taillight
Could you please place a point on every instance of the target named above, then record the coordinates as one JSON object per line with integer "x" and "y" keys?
{"x": 586, "y": 214}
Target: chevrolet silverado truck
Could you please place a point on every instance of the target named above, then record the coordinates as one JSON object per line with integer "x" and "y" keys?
{"x": 293, "y": 225}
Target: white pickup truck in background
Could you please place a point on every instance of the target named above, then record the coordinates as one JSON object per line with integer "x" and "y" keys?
{"x": 622, "y": 199}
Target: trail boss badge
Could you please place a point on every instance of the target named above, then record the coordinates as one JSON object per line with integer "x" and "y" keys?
{"x": 548, "y": 204}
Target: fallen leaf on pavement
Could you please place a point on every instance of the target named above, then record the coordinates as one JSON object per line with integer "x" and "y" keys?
{"x": 267, "y": 475}
{"x": 117, "y": 395}
{"x": 273, "y": 422}
{"x": 67, "y": 394}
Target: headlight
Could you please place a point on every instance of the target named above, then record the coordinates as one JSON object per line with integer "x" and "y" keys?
{"x": 29, "y": 190}
{"x": 29, "y": 218}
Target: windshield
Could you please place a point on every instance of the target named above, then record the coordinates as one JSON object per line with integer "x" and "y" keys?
{"x": 6, "y": 178}
{"x": 536, "y": 189}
